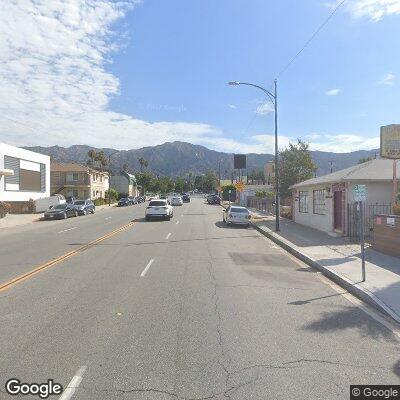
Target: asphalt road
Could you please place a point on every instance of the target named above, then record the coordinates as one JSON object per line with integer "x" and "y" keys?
{"x": 181, "y": 309}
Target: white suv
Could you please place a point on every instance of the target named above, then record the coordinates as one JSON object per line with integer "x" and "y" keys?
{"x": 159, "y": 209}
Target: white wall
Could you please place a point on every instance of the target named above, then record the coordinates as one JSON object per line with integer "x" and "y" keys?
{"x": 10, "y": 196}
{"x": 317, "y": 221}
{"x": 377, "y": 192}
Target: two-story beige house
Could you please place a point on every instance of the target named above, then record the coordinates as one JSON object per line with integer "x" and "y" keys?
{"x": 79, "y": 181}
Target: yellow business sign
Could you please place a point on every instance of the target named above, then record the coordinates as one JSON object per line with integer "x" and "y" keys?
{"x": 390, "y": 141}
{"x": 240, "y": 186}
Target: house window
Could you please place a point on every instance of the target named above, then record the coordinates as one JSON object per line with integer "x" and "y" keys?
{"x": 319, "y": 206}
{"x": 101, "y": 178}
{"x": 94, "y": 177}
{"x": 94, "y": 193}
{"x": 75, "y": 193}
{"x": 75, "y": 176}
{"x": 303, "y": 202}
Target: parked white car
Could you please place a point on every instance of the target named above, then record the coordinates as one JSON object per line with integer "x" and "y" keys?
{"x": 176, "y": 201}
{"x": 159, "y": 209}
{"x": 44, "y": 204}
{"x": 236, "y": 215}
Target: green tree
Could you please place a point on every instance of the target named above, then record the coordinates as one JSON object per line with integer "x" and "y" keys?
{"x": 295, "y": 165}
{"x": 180, "y": 185}
{"x": 92, "y": 155}
{"x": 101, "y": 159}
{"x": 364, "y": 160}
{"x": 144, "y": 179}
{"x": 125, "y": 167}
{"x": 210, "y": 182}
{"x": 143, "y": 163}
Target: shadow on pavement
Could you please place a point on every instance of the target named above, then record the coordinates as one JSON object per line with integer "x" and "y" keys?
{"x": 221, "y": 224}
{"x": 351, "y": 318}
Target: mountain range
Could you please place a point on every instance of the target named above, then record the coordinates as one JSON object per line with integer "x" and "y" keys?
{"x": 180, "y": 158}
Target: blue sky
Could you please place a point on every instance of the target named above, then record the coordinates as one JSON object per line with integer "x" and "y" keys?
{"x": 142, "y": 73}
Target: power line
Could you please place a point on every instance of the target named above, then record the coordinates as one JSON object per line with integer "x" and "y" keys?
{"x": 322, "y": 26}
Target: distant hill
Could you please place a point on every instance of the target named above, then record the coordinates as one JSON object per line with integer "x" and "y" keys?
{"x": 180, "y": 158}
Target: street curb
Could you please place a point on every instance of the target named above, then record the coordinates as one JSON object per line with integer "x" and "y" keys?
{"x": 342, "y": 281}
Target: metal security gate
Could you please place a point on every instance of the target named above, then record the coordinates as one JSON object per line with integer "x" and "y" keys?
{"x": 370, "y": 211}
{"x": 262, "y": 204}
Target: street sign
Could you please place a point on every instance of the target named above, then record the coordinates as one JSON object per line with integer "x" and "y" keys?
{"x": 360, "y": 192}
{"x": 240, "y": 186}
{"x": 239, "y": 161}
{"x": 390, "y": 141}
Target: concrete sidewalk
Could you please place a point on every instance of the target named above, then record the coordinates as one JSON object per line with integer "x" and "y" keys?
{"x": 340, "y": 260}
{"x": 12, "y": 220}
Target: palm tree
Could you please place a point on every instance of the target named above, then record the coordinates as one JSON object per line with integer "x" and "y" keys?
{"x": 143, "y": 163}
{"x": 92, "y": 155}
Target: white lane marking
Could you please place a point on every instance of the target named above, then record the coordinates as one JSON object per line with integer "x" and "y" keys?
{"x": 147, "y": 267}
{"x": 177, "y": 222}
{"x": 66, "y": 230}
{"x": 167, "y": 237}
{"x": 108, "y": 218}
{"x": 73, "y": 385}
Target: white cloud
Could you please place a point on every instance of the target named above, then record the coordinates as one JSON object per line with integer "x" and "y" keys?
{"x": 55, "y": 88}
{"x": 264, "y": 108}
{"x": 344, "y": 143}
{"x": 374, "y": 10}
{"x": 333, "y": 92}
{"x": 388, "y": 79}
{"x": 232, "y": 106}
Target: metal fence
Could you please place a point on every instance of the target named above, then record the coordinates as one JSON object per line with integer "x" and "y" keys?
{"x": 370, "y": 211}
{"x": 261, "y": 204}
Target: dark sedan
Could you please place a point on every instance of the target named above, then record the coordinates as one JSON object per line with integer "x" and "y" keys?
{"x": 84, "y": 207}
{"x": 186, "y": 198}
{"x": 124, "y": 202}
{"x": 213, "y": 199}
{"x": 61, "y": 211}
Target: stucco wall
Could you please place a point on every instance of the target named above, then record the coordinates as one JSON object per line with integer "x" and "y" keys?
{"x": 317, "y": 221}
{"x": 377, "y": 192}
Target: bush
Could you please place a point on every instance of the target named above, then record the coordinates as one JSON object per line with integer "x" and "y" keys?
{"x": 31, "y": 206}
{"x": 99, "y": 202}
{"x": 286, "y": 212}
{"x": 396, "y": 209}
{"x": 4, "y": 209}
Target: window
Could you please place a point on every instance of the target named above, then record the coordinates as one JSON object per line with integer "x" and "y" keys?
{"x": 75, "y": 193}
{"x": 75, "y": 176}
{"x": 29, "y": 180}
{"x": 101, "y": 178}
{"x": 94, "y": 177}
{"x": 303, "y": 202}
{"x": 319, "y": 206}
{"x": 94, "y": 193}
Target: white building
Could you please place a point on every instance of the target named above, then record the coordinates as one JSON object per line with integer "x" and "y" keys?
{"x": 324, "y": 202}
{"x": 24, "y": 175}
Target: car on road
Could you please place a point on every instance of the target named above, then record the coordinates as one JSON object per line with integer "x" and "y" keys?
{"x": 159, "y": 209}
{"x": 61, "y": 211}
{"x": 176, "y": 201}
{"x": 213, "y": 199}
{"x": 186, "y": 197}
{"x": 124, "y": 201}
{"x": 84, "y": 207}
{"x": 133, "y": 199}
{"x": 236, "y": 215}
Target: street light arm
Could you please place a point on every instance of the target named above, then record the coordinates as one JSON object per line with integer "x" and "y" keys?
{"x": 267, "y": 92}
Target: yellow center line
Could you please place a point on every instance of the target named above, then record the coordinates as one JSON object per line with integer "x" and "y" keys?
{"x": 63, "y": 257}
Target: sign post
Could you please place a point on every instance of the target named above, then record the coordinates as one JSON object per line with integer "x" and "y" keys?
{"x": 360, "y": 196}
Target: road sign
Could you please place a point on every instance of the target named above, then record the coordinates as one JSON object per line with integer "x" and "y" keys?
{"x": 360, "y": 192}
{"x": 390, "y": 141}
{"x": 239, "y": 161}
{"x": 240, "y": 186}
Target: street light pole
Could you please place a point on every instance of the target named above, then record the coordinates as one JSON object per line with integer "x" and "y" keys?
{"x": 274, "y": 99}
